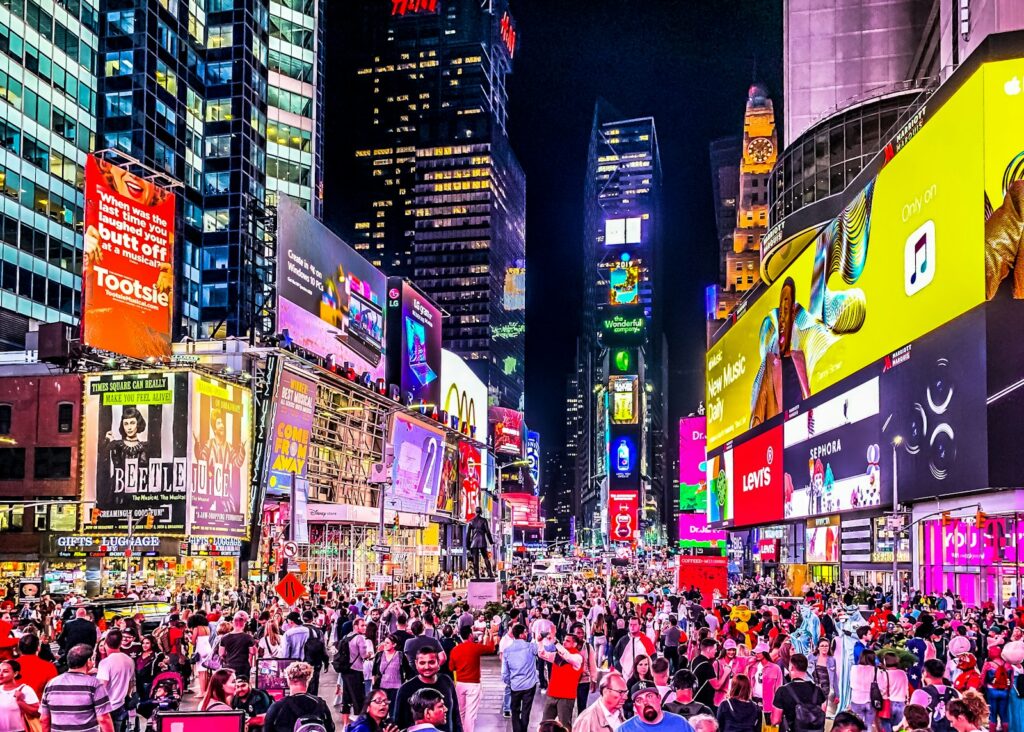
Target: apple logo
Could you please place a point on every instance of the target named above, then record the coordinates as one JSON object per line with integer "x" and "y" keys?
{"x": 1012, "y": 87}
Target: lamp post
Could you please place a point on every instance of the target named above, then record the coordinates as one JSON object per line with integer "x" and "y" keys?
{"x": 896, "y": 442}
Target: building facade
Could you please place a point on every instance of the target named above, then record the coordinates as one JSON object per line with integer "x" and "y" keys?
{"x": 48, "y": 101}
{"x": 441, "y": 196}
{"x": 724, "y": 155}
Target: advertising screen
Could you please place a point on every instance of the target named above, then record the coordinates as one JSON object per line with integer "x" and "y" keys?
{"x": 524, "y": 508}
{"x": 822, "y": 540}
{"x": 514, "y": 296}
{"x": 221, "y": 429}
{"x": 623, "y": 361}
{"x": 834, "y": 459}
{"x": 625, "y": 398}
{"x": 464, "y": 397}
{"x": 720, "y": 489}
{"x": 449, "y": 484}
{"x": 470, "y": 466}
{"x": 414, "y": 344}
{"x": 506, "y": 426}
{"x": 695, "y": 532}
{"x": 290, "y": 431}
{"x": 533, "y": 458}
{"x": 625, "y": 327}
{"x": 128, "y": 260}
{"x": 904, "y": 257}
{"x": 624, "y": 283}
{"x": 757, "y": 467}
{"x": 883, "y": 538}
{"x": 622, "y": 514}
{"x": 136, "y": 440}
{"x": 692, "y": 476}
{"x": 624, "y": 457}
{"x": 416, "y": 471}
{"x": 330, "y": 300}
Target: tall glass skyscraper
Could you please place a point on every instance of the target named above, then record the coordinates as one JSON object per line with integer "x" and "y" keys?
{"x": 441, "y": 197}
{"x": 48, "y": 62}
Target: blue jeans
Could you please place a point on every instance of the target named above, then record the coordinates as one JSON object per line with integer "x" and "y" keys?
{"x": 895, "y": 718}
{"x": 998, "y": 705}
{"x": 866, "y": 712}
{"x": 506, "y": 702}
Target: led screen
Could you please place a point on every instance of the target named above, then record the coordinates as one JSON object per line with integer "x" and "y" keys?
{"x": 463, "y": 397}
{"x": 622, "y": 514}
{"x": 506, "y": 427}
{"x": 625, "y": 399}
{"x": 414, "y": 344}
{"x": 624, "y": 457}
{"x": 288, "y": 449}
{"x": 720, "y": 488}
{"x": 758, "y": 479}
{"x": 470, "y": 466}
{"x": 416, "y": 470}
{"x": 128, "y": 262}
{"x": 330, "y": 300}
{"x": 533, "y": 458}
{"x": 624, "y": 284}
{"x": 692, "y": 475}
{"x": 821, "y": 541}
{"x": 695, "y": 532}
{"x": 524, "y": 508}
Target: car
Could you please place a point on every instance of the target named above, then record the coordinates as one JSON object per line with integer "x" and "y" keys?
{"x": 153, "y": 612}
{"x": 418, "y": 597}
{"x": 554, "y": 568}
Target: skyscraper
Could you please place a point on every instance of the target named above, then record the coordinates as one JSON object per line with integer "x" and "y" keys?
{"x": 622, "y": 358}
{"x": 724, "y": 154}
{"x": 47, "y": 127}
{"x": 441, "y": 197}
{"x": 226, "y": 97}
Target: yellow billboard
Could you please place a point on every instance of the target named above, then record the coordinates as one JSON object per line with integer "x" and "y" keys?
{"x": 904, "y": 257}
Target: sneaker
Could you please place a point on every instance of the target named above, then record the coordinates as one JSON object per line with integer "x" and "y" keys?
{"x": 507, "y": 714}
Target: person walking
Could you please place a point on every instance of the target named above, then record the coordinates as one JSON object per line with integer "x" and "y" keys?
{"x": 299, "y": 704}
{"x": 630, "y": 647}
{"x": 428, "y": 710}
{"x": 391, "y": 667}
{"x": 76, "y": 700}
{"x": 589, "y": 672}
{"x": 350, "y": 670}
{"x": 117, "y": 672}
{"x": 427, "y": 677}
{"x": 650, "y": 717}
{"x": 238, "y": 648}
{"x": 34, "y": 671}
{"x": 519, "y": 674}
{"x": 737, "y": 713}
{"x": 18, "y": 700}
{"x": 800, "y": 698}
{"x": 465, "y": 664}
{"x": 219, "y": 692}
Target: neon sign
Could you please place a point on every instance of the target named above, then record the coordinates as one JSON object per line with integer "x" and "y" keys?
{"x": 401, "y": 7}
{"x": 508, "y": 33}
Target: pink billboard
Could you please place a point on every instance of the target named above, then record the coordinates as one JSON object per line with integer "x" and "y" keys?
{"x": 692, "y": 478}
{"x": 694, "y": 531}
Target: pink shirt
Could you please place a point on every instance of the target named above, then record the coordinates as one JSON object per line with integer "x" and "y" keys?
{"x": 899, "y": 686}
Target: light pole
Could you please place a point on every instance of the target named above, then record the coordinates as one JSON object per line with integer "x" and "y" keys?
{"x": 896, "y": 442}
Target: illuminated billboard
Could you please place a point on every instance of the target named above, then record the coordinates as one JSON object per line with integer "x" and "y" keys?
{"x": 291, "y": 428}
{"x": 470, "y": 467}
{"x": 623, "y": 508}
{"x": 412, "y": 7}
{"x": 525, "y": 510}
{"x": 625, "y": 327}
{"x": 624, "y": 457}
{"x": 463, "y": 397}
{"x": 416, "y": 470}
{"x": 821, "y": 541}
{"x": 720, "y": 488}
{"x": 904, "y": 257}
{"x": 623, "y": 231}
{"x": 758, "y": 479}
{"x": 533, "y": 458}
{"x": 695, "y": 532}
{"x": 330, "y": 300}
{"x": 414, "y": 344}
{"x": 506, "y": 427}
{"x": 221, "y": 430}
{"x": 128, "y": 263}
{"x": 692, "y": 476}
{"x": 514, "y": 296}
{"x": 624, "y": 283}
{"x": 625, "y": 399}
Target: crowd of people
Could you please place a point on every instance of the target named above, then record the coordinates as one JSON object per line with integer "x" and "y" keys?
{"x": 642, "y": 657}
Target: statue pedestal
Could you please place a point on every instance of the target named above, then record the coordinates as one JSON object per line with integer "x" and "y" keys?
{"x": 482, "y": 591}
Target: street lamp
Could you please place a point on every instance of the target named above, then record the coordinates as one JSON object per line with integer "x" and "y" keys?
{"x": 896, "y": 442}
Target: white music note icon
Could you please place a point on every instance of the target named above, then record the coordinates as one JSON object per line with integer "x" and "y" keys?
{"x": 919, "y": 259}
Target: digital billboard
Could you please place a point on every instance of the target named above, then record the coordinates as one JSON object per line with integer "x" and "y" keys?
{"x": 834, "y": 459}
{"x": 821, "y": 541}
{"x": 720, "y": 488}
{"x": 416, "y": 470}
{"x": 470, "y": 466}
{"x": 136, "y": 441}
{"x": 463, "y": 397}
{"x": 695, "y": 532}
{"x": 525, "y": 508}
{"x": 414, "y": 344}
{"x": 903, "y": 258}
{"x": 623, "y": 327}
{"x": 330, "y": 300}
{"x": 514, "y": 295}
{"x": 624, "y": 457}
{"x": 291, "y": 428}
{"x": 623, "y": 231}
{"x": 625, "y": 398}
{"x": 624, "y": 283}
{"x": 128, "y": 263}
{"x": 506, "y": 427}
{"x": 221, "y": 430}
{"x": 448, "y": 489}
{"x": 623, "y": 507}
{"x": 692, "y": 476}
{"x": 533, "y": 458}
{"x": 758, "y": 479}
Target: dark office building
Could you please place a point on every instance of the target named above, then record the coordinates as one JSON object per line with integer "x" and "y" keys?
{"x": 440, "y": 196}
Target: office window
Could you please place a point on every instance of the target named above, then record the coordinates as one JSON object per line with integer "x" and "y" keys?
{"x": 166, "y": 78}
{"x": 35, "y": 152}
{"x": 220, "y": 36}
{"x": 118, "y": 104}
{"x": 166, "y": 38}
{"x": 216, "y": 219}
{"x": 12, "y": 463}
{"x": 218, "y": 110}
{"x": 217, "y": 183}
{"x": 290, "y": 32}
{"x": 165, "y": 117}
{"x": 52, "y": 463}
{"x": 295, "y": 68}
{"x": 121, "y": 22}
{"x": 163, "y": 156}
{"x": 289, "y": 101}
{"x": 218, "y": 72}
{"x": 118, "y": 63}
{"x": 12, "y": 518}
{"x": 219, "y": 6}
{"x": 5, "y": 419}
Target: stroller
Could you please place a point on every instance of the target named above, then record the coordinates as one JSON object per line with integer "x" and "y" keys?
{"x": 164, "y": 696}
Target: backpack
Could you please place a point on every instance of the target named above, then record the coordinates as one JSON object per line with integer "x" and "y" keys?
{"x": 1000, "y": 679}
{"x": 314, "y": 652}
{"x": 313, "y": 722}
{"x": 342, "y": 662}
{"x": 808, "y": 717}
{"x": 937, "y": 705}
{"x": 162, "y": 636}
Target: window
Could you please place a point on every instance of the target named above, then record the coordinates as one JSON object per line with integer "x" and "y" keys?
{"x": 12, "y": 463}
{"x": 165, "y": 117}
{"x": 216, "y": 220}
{"x": 218, "y": 72}
{"x": 289, "y": 32}
{"x": 288, "y": 172}
{"x": 218, "y": 110}
{"x": 217, "y": 183}
{"x": 220, "y": 36}
{"x": 12, "y": 518}
{"x": 121, "y": 22}
{"x": 163, "y": 156}
{"x": 167, "y": 39}
{"x": 35, "y": 152}
{"x": 118, "y": 63}
{"x": 295, "y": 68}
{"x": 65, "y": 416}
{"x": 166, "y": 78}
{"x": 289, "y": 101}
{"x": 118, "y": 104}
{"x": 218, "y": 146}
{"x": 219, "y": 6}
{"x": 5, "y": 419}
{"x": 293, "y": 137}
{"x": 52, "y": 463}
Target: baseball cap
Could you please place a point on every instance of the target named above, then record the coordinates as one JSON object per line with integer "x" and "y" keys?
{"x": 760, "y": 648}
{"x": 729, "y": 645}
{"x": 640, "y": 687}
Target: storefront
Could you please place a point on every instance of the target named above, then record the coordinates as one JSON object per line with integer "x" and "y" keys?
{"x": 97, "y": 565}
{"x": 866, "y": 547}
{"x": 211, "y": 561}
{"x": 821, "y": 548}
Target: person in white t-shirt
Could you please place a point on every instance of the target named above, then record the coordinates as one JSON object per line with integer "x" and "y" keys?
{"x": 117, "y": 673}
{"x": 16, "y": 698}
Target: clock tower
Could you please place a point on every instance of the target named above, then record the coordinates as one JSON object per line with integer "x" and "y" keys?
{"x": 760, "y": 150}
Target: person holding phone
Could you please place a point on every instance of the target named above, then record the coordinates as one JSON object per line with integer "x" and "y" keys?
{"x": 374, "y": 716}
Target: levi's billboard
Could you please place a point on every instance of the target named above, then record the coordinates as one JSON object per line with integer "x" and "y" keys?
{"x": 757, "y": 471}
{"x": 128, "y": 257}
{"x": 914, "y": 249}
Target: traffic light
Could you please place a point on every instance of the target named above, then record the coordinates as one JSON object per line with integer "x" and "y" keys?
{"x": 150, "y": 520}
{"x": 94, "y": 516}
{"x": 396, "y": 521}
{"x": 946, "y": 519}
{"x": 979, "y": 520}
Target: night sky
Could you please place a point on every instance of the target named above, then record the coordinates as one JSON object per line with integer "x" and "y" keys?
{"x": 687, "y": 63}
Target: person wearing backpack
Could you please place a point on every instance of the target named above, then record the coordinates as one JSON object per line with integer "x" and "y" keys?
{"x": 935, "y": 694}
{"x": 997, "y": 674}
{"x": 314, "y": 651}
{"x": 300, "y": 711}
{"x": 736, "y": 713}
{"x": 800, "y": 702}
{"x": 349, "y": 663}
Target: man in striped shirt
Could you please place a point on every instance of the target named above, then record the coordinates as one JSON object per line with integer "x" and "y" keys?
{"x": 76, "y": 701}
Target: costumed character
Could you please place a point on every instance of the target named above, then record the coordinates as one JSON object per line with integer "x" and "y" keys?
{"x": 1013, "y": 654}
{"x": 998, "y": 677}
{"x": 847, "y": 639}
{"x": 807, "y": 633}
{"x": 958, "y": 646}
{"x": 968, "y": 676}
{"x": 740, "y": 619}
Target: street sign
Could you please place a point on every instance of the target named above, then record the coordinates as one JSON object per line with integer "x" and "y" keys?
{"x": 894, "y": 522}
{"x": 289, "y": 549}
{"x": 380, "y": 579}
{"x": 290, "y": 589}
{"x": 380, "y": 548}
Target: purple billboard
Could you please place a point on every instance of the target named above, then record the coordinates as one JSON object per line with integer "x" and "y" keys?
{"x": 692, "y": 477}
{"x": 418, "y": 461}
{"x": 288, "y": 448}
{"x": 414, "y": 344}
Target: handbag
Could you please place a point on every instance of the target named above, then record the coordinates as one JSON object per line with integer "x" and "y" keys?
{"x": 877, "y": 701}
{"x": 212, "y": 663}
